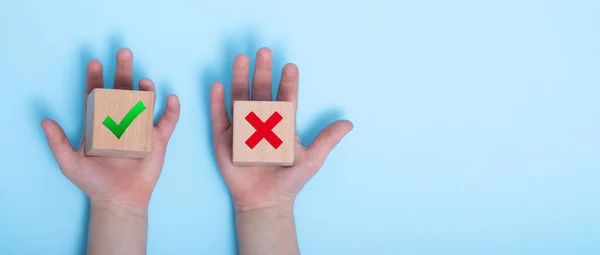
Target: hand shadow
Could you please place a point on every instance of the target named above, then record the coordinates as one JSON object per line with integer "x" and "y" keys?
{"x": 41, "y": 107}
{"x": 248, "y": 43}
{"x": 222, "y": 72}
{"x": 243, "y": 43}
{"x": 308, "y": 135}
{"x": 163, "y": 88}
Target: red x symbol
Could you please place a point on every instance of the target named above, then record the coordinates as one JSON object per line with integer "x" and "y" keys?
{"x": 264, "y": 130}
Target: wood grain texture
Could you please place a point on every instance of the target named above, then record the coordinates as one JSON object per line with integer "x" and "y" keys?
{"x": 264, "y": 153}
{"x": 136, "y": 141}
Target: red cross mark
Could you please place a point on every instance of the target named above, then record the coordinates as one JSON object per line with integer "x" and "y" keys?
{"x": 264, "y": 130}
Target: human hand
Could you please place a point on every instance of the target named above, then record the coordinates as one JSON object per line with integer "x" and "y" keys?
{"x": 114, "y": 181}
{"x": 259, "y": 187}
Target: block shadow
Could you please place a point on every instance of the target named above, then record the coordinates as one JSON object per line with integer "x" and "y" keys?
{"x": 41, "y": 107}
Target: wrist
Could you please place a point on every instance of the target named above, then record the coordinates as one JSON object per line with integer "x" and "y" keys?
{"x": 264, "y": 206}
{"x": 267, "y": 230}
{"x": 117, "y": 227}
{"x": 121, "y": 209}
{"x": 251, "y": 203}
{"x": 266, "y": 211}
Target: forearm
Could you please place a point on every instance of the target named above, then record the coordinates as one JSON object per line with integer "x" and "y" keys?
{"x": 267, "y": 231}
{"x": 117, "y": 229}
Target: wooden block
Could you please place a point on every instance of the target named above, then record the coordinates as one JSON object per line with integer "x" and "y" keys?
{"x": 255, "y": 120}
{"x": 104, "y": 105}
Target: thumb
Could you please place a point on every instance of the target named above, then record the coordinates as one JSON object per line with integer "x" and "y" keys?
{"x": 326, "y": 140}
{"x": 58, "y": 142}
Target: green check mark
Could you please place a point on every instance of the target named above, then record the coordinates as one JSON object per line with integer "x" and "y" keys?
{"x": 119, "y": 129}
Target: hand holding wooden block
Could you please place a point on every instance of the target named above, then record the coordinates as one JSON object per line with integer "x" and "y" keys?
{"x": 119, "y": 123}
{"x": 263, "y": 133}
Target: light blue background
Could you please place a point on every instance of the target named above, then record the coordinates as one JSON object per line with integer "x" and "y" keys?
{"x": 477, "y": 123}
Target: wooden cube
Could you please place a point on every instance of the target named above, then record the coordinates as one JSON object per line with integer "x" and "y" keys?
{"x": 119, "y": 123}
{"x": 263, "y": 133}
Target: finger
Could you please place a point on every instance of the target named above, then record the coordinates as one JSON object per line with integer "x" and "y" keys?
{"x": 59, "y": 144}
{"x": 261, "y": 82}
{"x": 288, "y": 86}
{"x": 240, "y": 90}
{"x": 124, "y": 71}
{"x": 93, "y": 77}
{"x": 218, "y": 112}
{"x": 166, "y": 124}
{"x": 326, "y": 140}
{"x": 146, "y": 84}
{"x": 93, "y": 80}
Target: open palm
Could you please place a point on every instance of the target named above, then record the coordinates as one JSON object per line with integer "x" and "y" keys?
{"x": 105, "y": 179}
{"x": 255, "y": 187}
